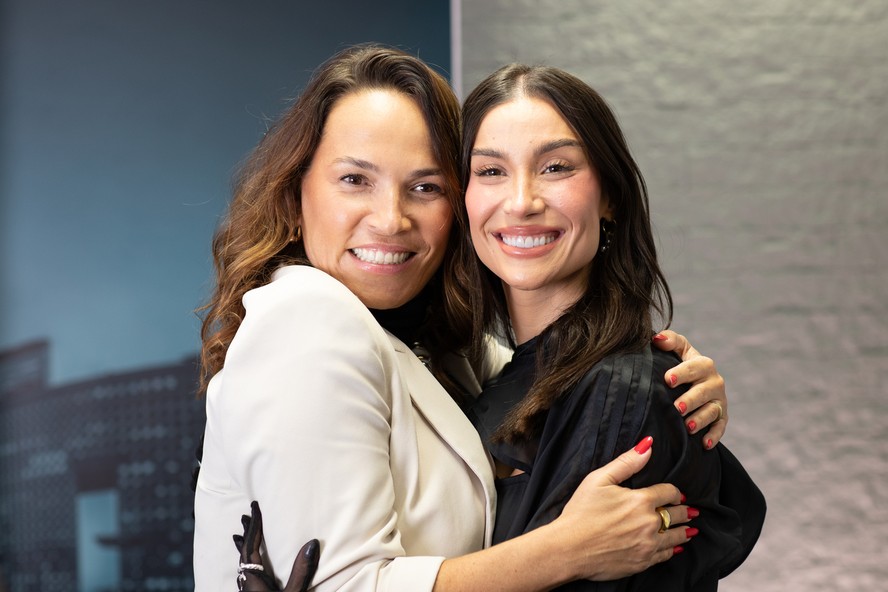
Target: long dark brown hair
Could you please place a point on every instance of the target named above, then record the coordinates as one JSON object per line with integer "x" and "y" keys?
{"x": 614, "y": 314}
{"x": 254, "y": 238}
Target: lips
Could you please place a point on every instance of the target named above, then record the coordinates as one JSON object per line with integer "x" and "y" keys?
{"x": 528, "y": 241}
{"x": 381, "y": 257}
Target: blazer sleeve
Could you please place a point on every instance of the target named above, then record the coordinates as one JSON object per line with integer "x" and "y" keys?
{"x": 305, "y": 407}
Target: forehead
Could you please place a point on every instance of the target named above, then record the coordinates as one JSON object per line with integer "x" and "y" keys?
{"x": 374, "y": 120}
{"x": 531, "y": 118}
{"x": 364, "y": 108}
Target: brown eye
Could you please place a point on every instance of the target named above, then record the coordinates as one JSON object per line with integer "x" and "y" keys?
{"x": 428, "y": 188}
{"x": 353, "y": 179}
{"x": 557, "y": 168}
{"x": 488, "y": 172}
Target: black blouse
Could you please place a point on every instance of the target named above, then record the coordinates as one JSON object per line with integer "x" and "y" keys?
{"x": 619, "y": 401}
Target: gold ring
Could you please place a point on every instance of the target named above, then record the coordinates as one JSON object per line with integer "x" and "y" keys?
{"x": 665, "y": 519}
{"x": 721, "y": 410}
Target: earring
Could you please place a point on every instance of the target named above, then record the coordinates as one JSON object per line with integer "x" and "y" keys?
{"x": 608, "y": 227}
{"x": 295, "y": 238}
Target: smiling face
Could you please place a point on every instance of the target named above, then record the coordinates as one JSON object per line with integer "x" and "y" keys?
{"x": 374, "y": 214}
{"x": 534, "y": 203}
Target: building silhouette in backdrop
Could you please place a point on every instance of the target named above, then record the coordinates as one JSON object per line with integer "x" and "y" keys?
{"x": 95, "y": 477}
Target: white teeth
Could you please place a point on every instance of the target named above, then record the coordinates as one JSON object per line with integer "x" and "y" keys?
{"x": 380, "y": 257}
{"x": 528, "y": 242}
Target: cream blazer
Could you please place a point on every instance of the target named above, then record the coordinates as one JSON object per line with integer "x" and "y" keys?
{"x": 341, "y": 434}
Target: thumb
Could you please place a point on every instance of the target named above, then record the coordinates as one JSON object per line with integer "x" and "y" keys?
{"x": 625, "y": 465}
{"x": 671, "y": 341}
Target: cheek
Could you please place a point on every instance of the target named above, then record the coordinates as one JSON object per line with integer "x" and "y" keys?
{"x": 324, "y": 231}
{"x": 477, "y": 204}
{"x": 436, "y": 224}
{"x": 582, "y": 205}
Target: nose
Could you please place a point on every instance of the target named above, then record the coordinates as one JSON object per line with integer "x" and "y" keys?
{"x": 525, "y": 199}
{"x": 389, "y": 216}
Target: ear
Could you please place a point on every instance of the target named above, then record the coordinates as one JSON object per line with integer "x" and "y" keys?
{"x": 605, "y": 209}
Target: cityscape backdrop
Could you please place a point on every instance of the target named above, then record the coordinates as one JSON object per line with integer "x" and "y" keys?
{"x": 122, "y": 124}
{"x": 759, "y": 127}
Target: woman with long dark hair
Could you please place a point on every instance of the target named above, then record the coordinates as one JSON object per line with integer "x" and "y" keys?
{"x": 558, "y": 216}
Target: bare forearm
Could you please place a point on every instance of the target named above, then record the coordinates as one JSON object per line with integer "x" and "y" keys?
{"x": 605, "y": 532}
{"x": 531, "y": 562}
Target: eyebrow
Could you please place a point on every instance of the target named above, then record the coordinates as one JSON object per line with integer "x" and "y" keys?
{"x": 556, "y": 144}
{"x": 369, "y": 166}
{"x": 362, "y": 164}
{"x": 542, "y": 149}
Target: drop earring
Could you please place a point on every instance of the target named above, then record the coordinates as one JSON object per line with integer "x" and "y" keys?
{"x": 608, "y": 228}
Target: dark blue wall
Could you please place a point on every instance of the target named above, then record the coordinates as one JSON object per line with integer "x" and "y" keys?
{"x": 122, "y": 123}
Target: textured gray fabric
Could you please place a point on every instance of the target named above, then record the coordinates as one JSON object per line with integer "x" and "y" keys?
{"x": 760, "y": 128}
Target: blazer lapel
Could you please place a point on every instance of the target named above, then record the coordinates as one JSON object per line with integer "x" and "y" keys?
{"x": 448, "y": 420}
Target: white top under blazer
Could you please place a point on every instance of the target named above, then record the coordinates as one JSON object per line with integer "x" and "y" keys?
{"x": 341, "y": 434}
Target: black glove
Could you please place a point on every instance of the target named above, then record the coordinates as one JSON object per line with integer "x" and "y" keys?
{"x": 252, "y": 574}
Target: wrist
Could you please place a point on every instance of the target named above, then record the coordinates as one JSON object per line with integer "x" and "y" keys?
{"x": 561, "y": 544}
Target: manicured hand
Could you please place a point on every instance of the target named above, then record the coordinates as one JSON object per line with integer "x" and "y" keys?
{"x": 705, "y": 404}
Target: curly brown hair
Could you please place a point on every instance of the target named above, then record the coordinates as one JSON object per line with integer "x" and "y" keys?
{"x": 254, "y": 237}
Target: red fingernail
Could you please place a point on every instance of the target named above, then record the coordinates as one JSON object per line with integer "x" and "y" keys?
{"x": 673, "y": 379}
{"x": 692, "y": 425}
{"x": 683, "y": 498}
{"x": 693, "y": 512}
{"x": 691, "y": 532}
{"x": 659, "y": 337}
{"x": 677, "y": 550}
{"x": 644, "y": 445}
{"x": 682, "y": 406}
{"x": 709, "y": 443}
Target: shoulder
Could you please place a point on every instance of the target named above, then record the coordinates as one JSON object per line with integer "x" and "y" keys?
{"x": 306, "y": 300}
{"x": 620, "y": 396}
{"x": 639, "y": 375}
{"x": 302, "y": 321}
{"x": 303, "y": 333}
{"x": 638, "y": 378}
{"x": 296, "y": 285}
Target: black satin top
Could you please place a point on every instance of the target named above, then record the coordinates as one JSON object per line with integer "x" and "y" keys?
{"x": 619, "y": 401}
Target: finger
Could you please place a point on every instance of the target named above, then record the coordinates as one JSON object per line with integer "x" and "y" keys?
{"x": 670, "y": 543}
{"x": 254, "y": 533}
{"x": 661, "y": 495}
{"x": 679, "y": 514}
{"x": 715, "y": 433}
{"x": 239, "y": 543}
{"x": 712, "y": 389}
{"x": 707, "y": 414}
{"x": 624, "y": 466}
{"x": 691, "y": 371}
{"x": 668, "y": 340}
{"x": 673, "y": 537}
{"x": 304, "y": 567}
{"x": 666, "y": 554}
